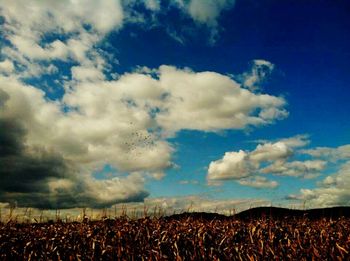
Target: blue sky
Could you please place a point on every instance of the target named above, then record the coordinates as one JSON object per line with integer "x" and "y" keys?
{"x": 215, "y": 100}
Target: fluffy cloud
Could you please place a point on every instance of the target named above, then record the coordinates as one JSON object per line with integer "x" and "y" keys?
{"x": 234, "y": 165}
{"x": 123, "y": 123}
{"x": 6, "y": 66}
{"x": 268, "y": 158}
{"x": 271, "y": 152}
{"x": 333, "y": 190}
{"x": 210, "y": 101}
{"x": 41, "y": 31}
{"x": 39, "y": 176}
{"x": 307, "y": 169}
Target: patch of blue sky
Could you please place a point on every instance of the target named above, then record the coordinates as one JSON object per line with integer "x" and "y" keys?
{"x": 53, "y": 84}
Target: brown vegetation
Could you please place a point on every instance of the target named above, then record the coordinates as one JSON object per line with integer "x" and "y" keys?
{"x": 181, "y": 238}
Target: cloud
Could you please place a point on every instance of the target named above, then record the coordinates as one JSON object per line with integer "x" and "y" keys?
{"x": 234, "y": 165}
{"x": 306, "y": 169}
{"x": 259, "y": 72}
{"x": 258, "y": 182}
{"x": 333, "y": 190}
{"x": 48, "y": 173}
{"x": 335, "y": 154}
{"x": 25, "y": 171}
{"x": 85, "y": 73}
{"x": 194, "y": 203}
{"x": 271, "y": 152}
{"x": 275, "y": 158}
{"x": 206, "y": 12}
{"x": 6, "y": 67}
{"x": 209, "y": 101}
{"x": 124, "y": 123}
{"x": 42, "y": 31}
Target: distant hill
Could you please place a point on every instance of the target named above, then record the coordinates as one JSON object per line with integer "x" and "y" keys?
{"x": 197, "y": 215}
{"x": 273, "y": 212}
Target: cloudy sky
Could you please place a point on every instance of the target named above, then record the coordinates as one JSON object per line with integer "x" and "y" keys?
{"x": 174, "y": 102}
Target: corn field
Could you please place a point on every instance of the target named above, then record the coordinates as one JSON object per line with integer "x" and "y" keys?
{"x": 187, "y": 238}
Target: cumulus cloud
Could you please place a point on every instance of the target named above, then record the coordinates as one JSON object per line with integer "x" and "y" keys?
{"x": 275, "y": 158}
{"x": 124, "y": 123}
{"x": 38, "y": 176}
{"x": 209, "y": 101}
{"x": 234, "y": 165}
{"x": 333, "y": 190}
{"x": 6, "y": 66}
{"x": 41, "y": 31}
{"x": 271, "y": 152}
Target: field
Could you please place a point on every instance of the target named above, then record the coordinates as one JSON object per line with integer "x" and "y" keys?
{"x": 253, "y": 235}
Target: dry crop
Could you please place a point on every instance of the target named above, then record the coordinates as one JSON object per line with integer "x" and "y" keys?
{"x": 187, "y": 238}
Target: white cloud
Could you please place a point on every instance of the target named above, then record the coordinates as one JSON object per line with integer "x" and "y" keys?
{"x": 206, "y": 12}
{"x": 6, "y": 66}
{"x": 158, "y": 175}
{"x": 258, "y": 74}
{"x": 258, "y": 182}
{"x": 339, "y": 153}
{"x": 268, "y": 158}
{"x": 306, "y": 169}
{"x": 71, "y": 29}
{"x": 271, "y": 152}
{"x": 296, "y": 141}
{"x": 125, "y": 122}
{"x": 332, "y": 191}
{"x": 56, "y": 30}
{"x": 210, "y": 101}
{"x": 107, "y": 192}
{"x": 84, "y": 73}
{"x": 194, "y": 203}
{"x": 234, "y": 165}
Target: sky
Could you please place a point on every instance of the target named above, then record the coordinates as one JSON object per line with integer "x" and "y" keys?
{"x": 204, "y": 104}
